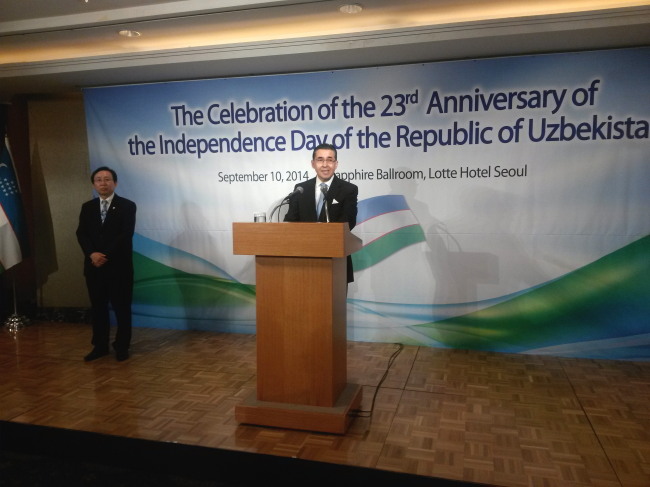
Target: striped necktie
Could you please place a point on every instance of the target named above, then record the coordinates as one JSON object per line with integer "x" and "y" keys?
{"x": 319, "y": 206}
{"x": 104, "y": 209}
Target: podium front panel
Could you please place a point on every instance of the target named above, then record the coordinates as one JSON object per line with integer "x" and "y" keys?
{"x": 301, "y": 329}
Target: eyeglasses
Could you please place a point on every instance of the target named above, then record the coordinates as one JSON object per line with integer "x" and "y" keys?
{"x": 103, "y": 180}
{"x": 329, "y": 160}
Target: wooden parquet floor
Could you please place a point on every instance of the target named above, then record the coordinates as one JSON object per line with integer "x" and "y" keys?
{"x": 508, "y": 420}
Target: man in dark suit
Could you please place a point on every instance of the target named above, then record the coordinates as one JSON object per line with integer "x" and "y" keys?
{"x": 105, "y": 234}
{"x": 339, "y": 196}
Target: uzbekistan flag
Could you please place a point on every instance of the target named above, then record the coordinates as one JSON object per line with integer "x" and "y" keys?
{"x": 12, "y": 230}
{"x": 388, "y": 225}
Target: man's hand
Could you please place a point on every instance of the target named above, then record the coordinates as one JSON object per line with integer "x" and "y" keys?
{"x": 98, "y": 259}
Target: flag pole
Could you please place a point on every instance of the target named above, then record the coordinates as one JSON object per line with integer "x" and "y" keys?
{"x": 15, "y": 322}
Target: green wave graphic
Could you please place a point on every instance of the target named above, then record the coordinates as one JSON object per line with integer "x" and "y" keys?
{"x": 605, "y": 300}
{"x": 387, "y": 245}
{"x": 159, "y": 285}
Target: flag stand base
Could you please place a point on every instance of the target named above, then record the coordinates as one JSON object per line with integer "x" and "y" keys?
{"x": 15, "y": 323}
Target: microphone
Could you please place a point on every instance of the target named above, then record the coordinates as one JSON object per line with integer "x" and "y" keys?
{"x": 297, "y": 190}
{"x": 327, "y": 213}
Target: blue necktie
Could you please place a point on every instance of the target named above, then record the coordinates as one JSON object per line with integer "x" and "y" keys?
{"x": 319, "y": 206}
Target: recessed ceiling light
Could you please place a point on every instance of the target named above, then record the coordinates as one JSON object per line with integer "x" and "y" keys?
{"x": 350, "y": 8}
{"x": 129, "y": 33}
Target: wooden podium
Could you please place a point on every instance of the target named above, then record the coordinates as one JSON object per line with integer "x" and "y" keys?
{"x": 301, "y": 325}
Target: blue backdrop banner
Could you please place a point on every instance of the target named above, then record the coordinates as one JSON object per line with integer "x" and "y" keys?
{"x": 503, "y": 202}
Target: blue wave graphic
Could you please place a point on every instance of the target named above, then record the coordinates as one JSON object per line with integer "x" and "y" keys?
{"x": 380, "y": 205}
{"x": 177, "y": 259}
{"x": 401, "y": 314}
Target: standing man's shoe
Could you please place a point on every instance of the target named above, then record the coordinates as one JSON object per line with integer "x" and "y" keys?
{"x": 95, "y": 354}
{"x": 121, "y": 355}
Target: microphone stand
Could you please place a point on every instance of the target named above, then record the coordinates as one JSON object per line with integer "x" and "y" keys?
{"x": 296, "y": 191}
{"x": 277, "y": 207}
{"x": 327, "y": 213}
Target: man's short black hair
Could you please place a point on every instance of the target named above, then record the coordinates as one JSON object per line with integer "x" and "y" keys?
{"x": 103, "y": 168}
{"x": 324, "y": 146}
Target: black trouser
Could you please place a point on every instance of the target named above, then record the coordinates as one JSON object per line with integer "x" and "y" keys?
{"x": 105, "y": 289}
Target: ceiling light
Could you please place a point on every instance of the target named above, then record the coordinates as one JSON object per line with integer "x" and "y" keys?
{"x": 350, "y": 8}
{"x": 129, "y": 33}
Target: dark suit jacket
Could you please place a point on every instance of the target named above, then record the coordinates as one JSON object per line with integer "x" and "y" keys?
{"x": 341, "y": 201}
{"x": 114, "y": 237}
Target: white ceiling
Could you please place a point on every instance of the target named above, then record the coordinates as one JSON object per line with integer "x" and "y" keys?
{"x": 55, "y": 46}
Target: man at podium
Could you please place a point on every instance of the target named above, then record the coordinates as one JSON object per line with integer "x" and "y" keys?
{"x": 326, "y": 197}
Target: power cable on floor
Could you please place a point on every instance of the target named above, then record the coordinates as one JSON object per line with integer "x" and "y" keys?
{"x": 367, "y": 414}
